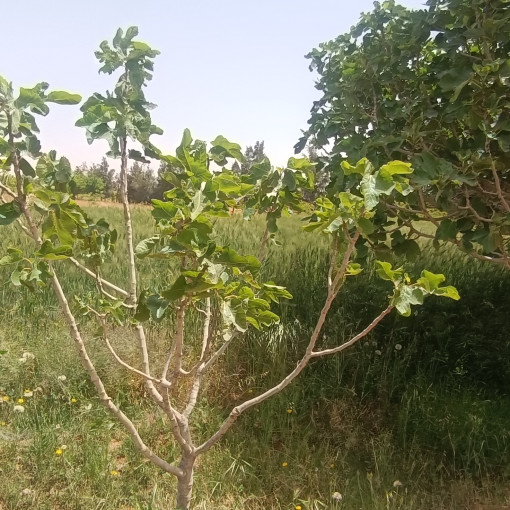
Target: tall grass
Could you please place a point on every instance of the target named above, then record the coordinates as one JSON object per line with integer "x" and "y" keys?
{"x": 422, "y": 401}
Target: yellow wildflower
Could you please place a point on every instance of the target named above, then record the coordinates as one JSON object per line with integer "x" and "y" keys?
{"x": 289, "y": 411}
{"x": 20, "y": 401}
{"x": 284, "y": 464}
{"x": 298, "y": 507}
{"x": 5, "y": 398}
{"x": 2, "y": 423}
{"x": 332, "y": 465}
{"x": 113, "y": 472}
{"x": 59, "y": 451}
{"x": 73, "y": 400}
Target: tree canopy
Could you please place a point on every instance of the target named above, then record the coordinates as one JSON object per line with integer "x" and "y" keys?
{"x": 431, "y": 88}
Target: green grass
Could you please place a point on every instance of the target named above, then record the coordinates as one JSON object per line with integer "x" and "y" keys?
{"x": 432, "y": 414}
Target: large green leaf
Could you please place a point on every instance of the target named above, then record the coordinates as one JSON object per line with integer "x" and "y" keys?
{"x": 9, "y": 212}
{"x": 62, "y": 97}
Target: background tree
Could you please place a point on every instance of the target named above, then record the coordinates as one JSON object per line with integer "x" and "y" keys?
{"x": 252, "y": 155}
{"x": 142, "y": 183}
{"x": 430, "y": 87}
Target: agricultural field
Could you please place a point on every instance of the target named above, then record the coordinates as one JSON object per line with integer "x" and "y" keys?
{"x": 414, "y": 417}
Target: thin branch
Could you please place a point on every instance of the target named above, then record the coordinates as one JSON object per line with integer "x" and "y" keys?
{"x": 104, "y": 282}
{"x": 128, "y": 225}
{"x": 354, "y": 339}
{"x": 499, "y": 191}
{"x": 7, "y": 190}
{"x": 99, "y": 283}
{"x": 332, "y": 263}
{"x": 129, "y": 367}
{"x": 238, "y": 410}
{"x": 103, "y": 395}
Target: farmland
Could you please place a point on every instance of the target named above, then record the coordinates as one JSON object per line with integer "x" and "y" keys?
{"x": 414, "y": 417}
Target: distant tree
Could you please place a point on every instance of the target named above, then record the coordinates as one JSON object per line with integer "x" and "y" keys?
{"x": 162, "y": 184}
{"x": 141, "y": 183}
{"x": 252, "y": 155}
{"x": 88, "y": 181}
{"x": 107, "y": 176}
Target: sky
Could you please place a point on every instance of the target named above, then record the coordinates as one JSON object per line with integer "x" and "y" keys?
{"x": 229, "y": 67}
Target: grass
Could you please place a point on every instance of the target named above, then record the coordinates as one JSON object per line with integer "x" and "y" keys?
{"x": 423, "y": 401}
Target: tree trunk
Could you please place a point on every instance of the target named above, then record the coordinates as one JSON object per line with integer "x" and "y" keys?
{"x": 185, "y": 482}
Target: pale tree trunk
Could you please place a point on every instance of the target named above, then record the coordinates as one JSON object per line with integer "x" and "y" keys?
{"x": 185, "y": 482}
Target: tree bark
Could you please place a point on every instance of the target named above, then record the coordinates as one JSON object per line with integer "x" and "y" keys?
{"x": 185, "y": 482}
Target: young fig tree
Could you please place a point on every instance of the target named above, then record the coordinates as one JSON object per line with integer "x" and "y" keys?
{"x": 204, "y": 279}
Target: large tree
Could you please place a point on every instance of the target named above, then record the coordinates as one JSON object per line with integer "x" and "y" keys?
{"x": 429, "y": 87}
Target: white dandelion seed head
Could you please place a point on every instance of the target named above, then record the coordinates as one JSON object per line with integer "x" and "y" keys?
{"x": 18, "y": 409}
{"x": 28, "y": 394}
{"x": 398, "y": 347}
{"x": 336, "y": 496}
{"x": 27, "y": 492}
{"x": 397, "y": 483}
{"x": 378, "y": 352}
{"x": 28, "y": 355}
{"x": 62, "y": 378}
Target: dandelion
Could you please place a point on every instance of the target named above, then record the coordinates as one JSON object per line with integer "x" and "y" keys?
{"x": 18, "y": 409}
{"x": 336, "y": 496}
{"x": 5, "y": 398}
{"x": 28, "y": 393}
{"x": 62, "y": 378}
{"x": 332, "y": 465}
{"x": 73, "y": 401}
{"x": 59, "y": 451}
{"x": 20, "y": 401}
{"x": 378, "y": 352}
{"x": 398, "y": 347}
{"x": 28, "y": 355}
{"x": 284, "y": 464}
{"x": 113, "y": 472}
{"x": 2, "y": 423}
{"x": 397, "y": 483}
{"x": 289, "y": 411}
{"x": 298, "y": 507}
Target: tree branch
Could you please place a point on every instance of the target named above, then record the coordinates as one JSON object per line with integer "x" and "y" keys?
{"x": 238, "y": 410}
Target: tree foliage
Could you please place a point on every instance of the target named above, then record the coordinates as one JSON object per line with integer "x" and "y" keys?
{"x": 203, "y": 280}
{"x": 431, "y": 88}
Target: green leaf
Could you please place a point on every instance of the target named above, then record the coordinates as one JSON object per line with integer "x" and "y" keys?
{"x": 404, "y": 297}
{"x": 9, "y": 212}
{"x": 64, "y": 171}
{"x": 13, "y": 256}
{"x": 62, "y": 97}
{"x": 386, "y": 272}
{"x": 366, "y": 226}
{"x": 157, "y": 306}
{"x": 431, "y": 282}
{"x": 397, "y": 168}
{"x": 230, "y": 257}
{"x": 447, "y": 230}
{"x": 48, "y": 251}
{"x": 177, "y": 290}
{"x": 26, "y": 168}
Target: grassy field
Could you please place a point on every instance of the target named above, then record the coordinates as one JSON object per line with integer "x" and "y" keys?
{"x": 416, "y": 417}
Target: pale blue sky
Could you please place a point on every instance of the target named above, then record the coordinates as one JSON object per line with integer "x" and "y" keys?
{"x": 235, "y": 68}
